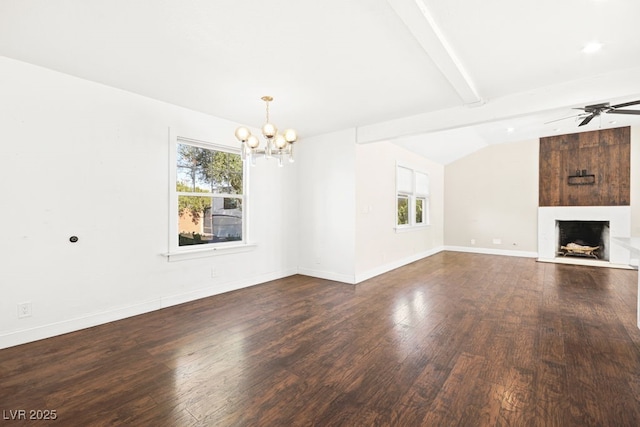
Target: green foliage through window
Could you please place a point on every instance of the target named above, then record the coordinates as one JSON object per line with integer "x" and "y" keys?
{"x": 209, "y": 185}
{"x": 403, "y": 210}
{"x": 419, "y": 206}
{"x": 206, "y": 170}
{"x": 192, "y": 204}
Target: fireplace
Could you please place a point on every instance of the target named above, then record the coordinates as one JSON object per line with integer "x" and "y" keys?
{"x": 591, "y": 226}
{"x": 583, "y": 239}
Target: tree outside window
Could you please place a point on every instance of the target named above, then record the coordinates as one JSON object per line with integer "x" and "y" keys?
{"x": 209, "y": 186}
{"x": 420, "y": 210}
{"x": 403, "y": 210}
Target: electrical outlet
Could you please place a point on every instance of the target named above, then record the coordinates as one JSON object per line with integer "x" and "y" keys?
{"x": 214, "y": 272}
{"x": 473, "y": 241}
{"x": 24, "y": 310}
{"x": 497, "y": 241}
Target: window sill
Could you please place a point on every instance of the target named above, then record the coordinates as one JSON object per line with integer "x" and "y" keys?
{"x": 186, "y": 254}
{"x": 408, "y": 228}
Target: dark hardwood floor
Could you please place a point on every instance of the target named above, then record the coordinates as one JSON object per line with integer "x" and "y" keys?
{"x": 452, "y": 340}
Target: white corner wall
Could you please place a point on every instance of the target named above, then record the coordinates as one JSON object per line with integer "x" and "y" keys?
{"x": 635, "y": 181}
{"x": 380, "y": 248}
{"x": 491, "y": 200}
{"x": 326, "y": 209}
{"x": 80, "y": 158}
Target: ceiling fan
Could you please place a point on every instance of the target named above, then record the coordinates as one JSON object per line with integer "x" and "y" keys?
{"x": 595, "y": 110}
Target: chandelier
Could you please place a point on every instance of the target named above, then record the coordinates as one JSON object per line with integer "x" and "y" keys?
{"x": 277, "y": 145}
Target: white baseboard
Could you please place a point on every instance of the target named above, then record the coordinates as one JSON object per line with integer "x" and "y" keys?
{"x": 24, "y": 336}
{"x": 171, "y": 300}
{"x": 327, "y": 275}
{"x": 486, "y": 251}
{"x": 75, "y": 324}
{"x": 361, "y": 277}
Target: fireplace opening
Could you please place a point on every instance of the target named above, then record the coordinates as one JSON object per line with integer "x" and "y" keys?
{"x": 585, "y": 239}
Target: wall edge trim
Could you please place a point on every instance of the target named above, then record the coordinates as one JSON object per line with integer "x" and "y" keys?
{"x": 66, "y": 326}
{"x": 366, "y": 275}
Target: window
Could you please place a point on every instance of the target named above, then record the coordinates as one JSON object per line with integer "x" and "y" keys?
{"x": 412, "y": 198}
{"x": 420, "y": 203}
{"x": 403, "y": 209}
{"x": 209, "y": 194}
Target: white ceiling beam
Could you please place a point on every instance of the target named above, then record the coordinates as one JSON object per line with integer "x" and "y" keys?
{"x": 421, "y": 24}
{"x": 619, "y": 86}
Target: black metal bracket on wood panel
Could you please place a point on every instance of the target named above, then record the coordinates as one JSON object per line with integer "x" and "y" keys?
{"x": 581, "y": 179}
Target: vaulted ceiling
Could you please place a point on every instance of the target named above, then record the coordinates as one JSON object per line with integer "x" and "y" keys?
{"x": 442, "y": 78}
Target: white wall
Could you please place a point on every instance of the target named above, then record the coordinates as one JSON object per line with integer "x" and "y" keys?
{"x": 347, "y": 208}
{"x": 379, "y": 247}
{"x": 326, "y": 210}
{"x": 79, "y": 158}
{"x": 493, "y": 194}
{"x": 635, "y": 181}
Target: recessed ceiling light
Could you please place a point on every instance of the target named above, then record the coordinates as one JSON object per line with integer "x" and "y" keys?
{"x": 510, "y": 130}
{"x": 592, "y": 47}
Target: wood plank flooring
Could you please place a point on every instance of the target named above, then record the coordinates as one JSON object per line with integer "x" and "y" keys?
{"x": 452, "y": 340}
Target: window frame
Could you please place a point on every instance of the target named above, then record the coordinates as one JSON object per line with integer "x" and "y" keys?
{"x": 413, "y": 194}
{"x": 179, "y": 252}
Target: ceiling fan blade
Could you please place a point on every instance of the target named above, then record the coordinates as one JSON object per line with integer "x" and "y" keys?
{"x": 595, "y": 110}
{"x": 626, "y": 104}
{"x": 564, "y": 118}
{"x": 587, "y": 120}
{"x": 637, "y": 112}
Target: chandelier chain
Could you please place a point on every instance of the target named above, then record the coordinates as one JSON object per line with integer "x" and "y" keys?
{"x": 267, "y": 102}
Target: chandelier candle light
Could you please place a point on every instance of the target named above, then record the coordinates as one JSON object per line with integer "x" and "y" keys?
{"x": 276, "y": 145}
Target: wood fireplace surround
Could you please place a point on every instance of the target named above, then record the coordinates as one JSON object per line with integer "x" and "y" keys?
{"x": 586, "y": 169}
{"x": 585, "y": 177}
